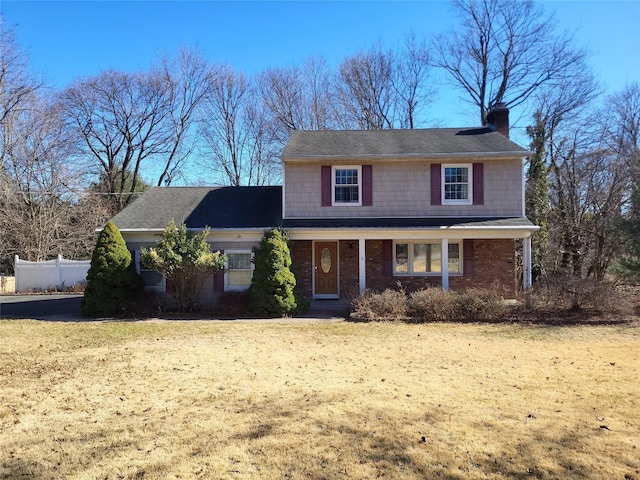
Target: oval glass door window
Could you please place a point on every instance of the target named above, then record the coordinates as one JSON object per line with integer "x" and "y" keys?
{"x": 325, "y": 260}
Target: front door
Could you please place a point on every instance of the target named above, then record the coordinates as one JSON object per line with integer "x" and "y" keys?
{"x": 326, "y": 269}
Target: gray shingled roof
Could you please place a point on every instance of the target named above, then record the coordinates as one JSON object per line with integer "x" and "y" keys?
{"x": 430, "y": 142}
{"x": 199, "y": 207}
{"x": 260, "y": 208}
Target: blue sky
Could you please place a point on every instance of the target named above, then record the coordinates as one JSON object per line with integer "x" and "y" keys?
{"x": 67, "y": 40}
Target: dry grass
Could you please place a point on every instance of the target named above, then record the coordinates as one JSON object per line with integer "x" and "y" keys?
{"x": 273, "y": 400}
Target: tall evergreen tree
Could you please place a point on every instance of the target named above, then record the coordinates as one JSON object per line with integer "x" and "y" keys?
{"x": 537, "y": 195}
{"x": 272, "y": 288}
{"x": 112, "y": 281}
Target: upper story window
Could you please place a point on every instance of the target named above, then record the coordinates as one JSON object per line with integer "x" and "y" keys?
{"x": 456, "y": 184}
{"x": 347, "y": 185}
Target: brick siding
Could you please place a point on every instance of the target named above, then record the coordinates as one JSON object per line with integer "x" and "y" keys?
{"x": 494, "y": 265}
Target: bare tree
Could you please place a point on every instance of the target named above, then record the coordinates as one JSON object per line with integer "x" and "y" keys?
{"x": 382, "y": 88}
{"x": 297, "y": 98}
{"x": 235, "y": 132}
{"x": 364, "y": 87}
{"x": 17, "y": 86}
{"x": 505, "y": 51}
{"x": 187, "y": 77}
{"x": 120, "y": 120}
{"x": 44, "y": 212}
{"x": 128, "y": 124}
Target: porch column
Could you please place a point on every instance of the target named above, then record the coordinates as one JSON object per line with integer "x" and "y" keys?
{"x": 526, "y": 262}
{"x": 445, "y": 264}
{"x": 362, "y": 270}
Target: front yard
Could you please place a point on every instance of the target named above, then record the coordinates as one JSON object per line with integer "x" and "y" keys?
{"x": 272, "y": 400}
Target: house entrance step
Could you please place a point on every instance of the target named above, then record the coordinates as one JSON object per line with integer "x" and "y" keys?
{"x": 334, "y": 308}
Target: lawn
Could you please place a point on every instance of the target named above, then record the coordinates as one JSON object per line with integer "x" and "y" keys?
{"x": 278, "y": 400}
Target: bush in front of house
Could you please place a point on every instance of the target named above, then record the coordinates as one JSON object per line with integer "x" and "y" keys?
{"x": 430, "y": 305}
{"x": 570, "y": 293}
{"x": 271, "y": 293}
{"x": 390, "y": 305}
{"x": 185, "y": 259}
{"x": 112, "y": 280}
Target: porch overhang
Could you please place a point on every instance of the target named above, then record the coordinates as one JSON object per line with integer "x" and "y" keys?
{"x": 409, "y": 228}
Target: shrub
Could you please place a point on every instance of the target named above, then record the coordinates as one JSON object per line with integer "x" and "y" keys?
{"x": 388, "y": 305}
{"x": 112, "y": 281}
{"x": 185, "y": 260}
{"x": 272, "y": 288}
{"x": 432, "y": 305}
{"x": 479, "y": 305}
{"x": 572, "y": 293}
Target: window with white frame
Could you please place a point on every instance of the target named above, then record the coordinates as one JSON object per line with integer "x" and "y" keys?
{"x": 456, "y": 184}
{"x": 152, "y": 280}
{"x": 425, "y": 258}
{"x": 239, "y": 271}
{"x": 347, "y": 185}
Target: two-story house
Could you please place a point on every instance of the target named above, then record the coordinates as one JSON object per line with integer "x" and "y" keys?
{"x": 366, "y": 210}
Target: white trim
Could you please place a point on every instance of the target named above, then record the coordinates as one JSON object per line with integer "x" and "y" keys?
{"x": 362, "y": 266}
{"x": 526, "y": 263}
{"x": 328, "y": 296}
{"x": 334, "y": 168}
{"x": 469, "y": 199}
{"x": 524, "y": 213}
{"x": 444, "y": 262}
{"x": 236, "y": 288}
{"x": 453, "y": 233}
{"x": 443, "y": 256}
{"x": 284, "y": 202}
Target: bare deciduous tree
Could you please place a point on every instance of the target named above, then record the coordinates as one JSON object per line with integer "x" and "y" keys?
{"x": 505, "y": 51}
{"x": 234, "y": 131}
{"x": 382, "y": 88}
{"x": 130, "y": 124}
{"x": 297, "y": 98}
{"x": 44, "y": 212}
{"x": 187, "y": 78}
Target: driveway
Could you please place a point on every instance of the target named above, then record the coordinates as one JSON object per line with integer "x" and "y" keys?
{"x": 41, "y": 307}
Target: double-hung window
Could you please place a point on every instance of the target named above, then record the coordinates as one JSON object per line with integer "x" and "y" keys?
{"x": 347, "y": 185}
{"x": 239, "y": 271}
{"x": 425, "y": 258}
{"x": 456, "y": 184}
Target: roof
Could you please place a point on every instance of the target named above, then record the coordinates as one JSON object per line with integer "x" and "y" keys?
{"x": 199, "y": 207}
{"x": 260, "y": 208}
{"x": 422, "y": 143}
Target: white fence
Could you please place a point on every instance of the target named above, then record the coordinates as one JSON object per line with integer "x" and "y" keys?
{"x": 50, "y": 275}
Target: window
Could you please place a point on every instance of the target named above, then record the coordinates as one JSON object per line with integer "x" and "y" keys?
{"x": 456, "y": 184}
{"x": 421, "y": 258}
{"x": 152, "y": 280}
{"x": 346, "y": 185}
{"x": 239, "y": 271}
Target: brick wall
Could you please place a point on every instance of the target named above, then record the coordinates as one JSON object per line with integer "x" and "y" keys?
{"x": 494, "y": 264}
{"x": 349, "y": 270}
{"x": 302, "y": 260}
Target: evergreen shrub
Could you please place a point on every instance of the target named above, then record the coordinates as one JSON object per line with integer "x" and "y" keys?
{"x": 112, "y": 280}
{"x": 271, "y": 293}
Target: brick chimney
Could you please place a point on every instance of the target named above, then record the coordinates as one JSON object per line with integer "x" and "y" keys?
{"x": 498, "y": 119}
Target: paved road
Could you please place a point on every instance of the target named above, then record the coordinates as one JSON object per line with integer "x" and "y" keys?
{"x": 41, "y": 307}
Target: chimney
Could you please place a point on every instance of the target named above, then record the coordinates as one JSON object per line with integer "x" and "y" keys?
{"x": 498, "y": 119}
